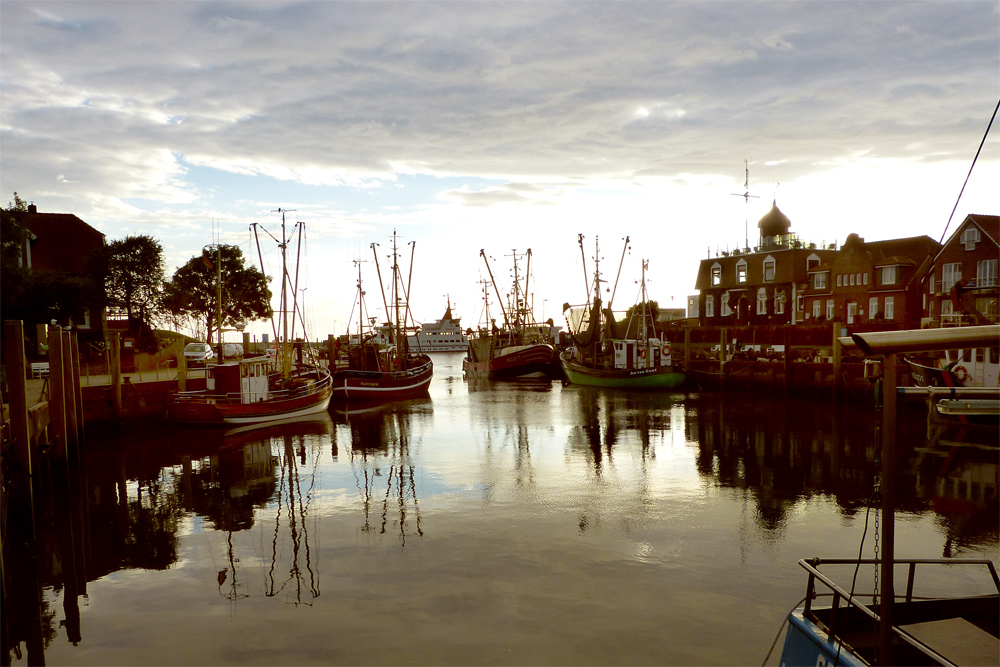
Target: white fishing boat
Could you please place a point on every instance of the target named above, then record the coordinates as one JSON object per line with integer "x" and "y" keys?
{"x": 444, "y": 335}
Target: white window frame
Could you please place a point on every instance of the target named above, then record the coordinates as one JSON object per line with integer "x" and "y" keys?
{"x": 839, "y": 281}
{"x": 709, "y": 306}
{"x": 819, "y": 280}
{"x": 872, "y": 307}
{"x": 852, "y": 312}
{"x": 716, "y": 274}
{"x": 951, "y": 274}
{"x": 890, "y": 307}
{"x": 724, "y": 309}
{"x": 817, "y": 308}
{"x": 829, "y": 310}
{"x": 779, "y": 302}
{"x": 986, "y": 273}
{"x": 741, "y": 272}
{"x": 769, "y": 269}
{"x": 762, "y": 301}
{"x": 970, "y": 237}
{"x": 889, "y": 275}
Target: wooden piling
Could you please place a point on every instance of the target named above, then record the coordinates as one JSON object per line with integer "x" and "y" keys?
{"x": 18, "y": 391}
{"x": 331, "y": 346}
{"x": 837, "y": 357}
{"x": 69, "y": 395}
{"x": 77, "y": 385}
{"x": 182, "y": 367}
{"x": 116, "y": 373}
{"x": 57, "y": 394}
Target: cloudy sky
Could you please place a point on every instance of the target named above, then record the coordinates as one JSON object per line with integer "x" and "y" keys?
{"x": 498, "y": 125}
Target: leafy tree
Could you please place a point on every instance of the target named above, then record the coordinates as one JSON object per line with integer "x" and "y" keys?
{"x": 192, "y": 290}
{"x": 13, "y": 276}
{"x": 633, "y": 318}
{"x": 132, "y": 271}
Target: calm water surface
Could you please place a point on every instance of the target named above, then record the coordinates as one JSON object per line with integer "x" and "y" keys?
{"x": 517, "y": 524}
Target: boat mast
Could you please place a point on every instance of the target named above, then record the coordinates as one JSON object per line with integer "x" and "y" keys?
{"x": 499, "y": 298}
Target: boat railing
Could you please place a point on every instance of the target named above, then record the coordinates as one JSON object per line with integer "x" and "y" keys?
{"x": 812, "y": 565}
{"x": 321, "y": 384}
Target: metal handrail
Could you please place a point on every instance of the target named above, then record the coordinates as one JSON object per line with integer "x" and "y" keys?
{"x": 237, "y": 396}
{"x": 811, "y": 565}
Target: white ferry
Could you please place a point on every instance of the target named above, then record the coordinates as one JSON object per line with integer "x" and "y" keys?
{"x": 444, "y": 335}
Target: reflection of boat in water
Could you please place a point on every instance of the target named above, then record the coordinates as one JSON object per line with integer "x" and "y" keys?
{"x": 444, "y": 335}
{"x": 380, "y": 456}
{"x": 893, "y": 628}
{"x": 381, "y": 365}
{"x": 603, "y": 356}
{"x": 518, "y": 349}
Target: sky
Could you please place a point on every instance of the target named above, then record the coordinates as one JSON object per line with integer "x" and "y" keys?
{"x": 500, "y": 126}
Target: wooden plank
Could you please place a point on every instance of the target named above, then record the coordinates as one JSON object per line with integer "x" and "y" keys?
{"x": 957, "y": 640}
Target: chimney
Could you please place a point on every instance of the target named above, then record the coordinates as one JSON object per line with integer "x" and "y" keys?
{"x": 32, "y": 208}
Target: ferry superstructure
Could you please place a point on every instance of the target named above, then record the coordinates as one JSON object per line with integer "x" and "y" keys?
{"x": 444, "y": 335}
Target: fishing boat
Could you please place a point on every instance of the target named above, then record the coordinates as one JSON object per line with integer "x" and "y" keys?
{"x": 966, "y": 367}
{"x": 259, "y": 389}
{"x": 603, "y": 353}
{"x": 444, "y": 335}
{"x": 520, "y": 347}
{"x": 924, "y": 625}
{"x": 380, "y": 363}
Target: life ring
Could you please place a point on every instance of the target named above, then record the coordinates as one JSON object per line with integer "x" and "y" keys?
{"x": 960, "y": 373}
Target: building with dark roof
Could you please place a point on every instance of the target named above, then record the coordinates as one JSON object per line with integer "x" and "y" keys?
{"x": 961, "y": 287}
{"x": 760, "y": 285}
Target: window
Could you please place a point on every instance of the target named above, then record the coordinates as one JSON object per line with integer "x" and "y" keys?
{"x": 724, "y": 310}
{"x": 816, "y": 308}
{"x": 986, "y": 273}
{"x": 779, "y": 302}
{"x": 716, "y": 274}
{"x": 931, "y": 288}
{"x": 889, "y": 275}
{"x": 819, "y": 280}
{"x": 839, "y": 281}
{"x": 872, "y": 307}
{"x": 852, "y": 280}
{"x": 762, "y": 301}
{"x": 709, "y": 306}
{"x": 970, "y": 237}
{"x": 768, "y": 269}
{"x": 890, "y": 307}
{"x": 741, "y": 271}
{"x": 866, "y": 278}
{"x": 812, "y": 261}
{"x": 829, "y": 309}
{"x": 859, "y": 279}
{"x": 950, "y": 274}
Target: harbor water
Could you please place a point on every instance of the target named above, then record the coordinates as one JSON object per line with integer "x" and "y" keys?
{"x": 526, "y": 523}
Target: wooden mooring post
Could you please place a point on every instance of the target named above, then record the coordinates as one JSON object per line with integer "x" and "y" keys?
{"x": 115, "y": 342}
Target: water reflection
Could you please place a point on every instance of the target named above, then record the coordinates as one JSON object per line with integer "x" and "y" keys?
{"x": 380, "y": 436}
{"x": 570, "y": 476}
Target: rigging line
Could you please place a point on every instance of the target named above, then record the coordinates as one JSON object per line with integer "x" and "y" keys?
{"x": 992, "y": 118}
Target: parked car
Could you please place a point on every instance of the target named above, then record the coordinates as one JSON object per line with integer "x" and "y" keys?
{"x": 198, "y": 353}
{"x": 232, "y": 351}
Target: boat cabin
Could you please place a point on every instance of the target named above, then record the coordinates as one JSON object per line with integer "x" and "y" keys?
{"x": 630, "y": 353}
{"x": 247, "y": 378}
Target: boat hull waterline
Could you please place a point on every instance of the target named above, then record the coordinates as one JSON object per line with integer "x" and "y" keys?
{"x": 639, "y": 378}
{"x": 382, "y": 385}
{"x": 209, "y": 409}
{"x": 511, "y": 363}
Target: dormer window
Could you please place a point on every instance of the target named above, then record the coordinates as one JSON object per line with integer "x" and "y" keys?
{"x": 889, "y": 275}
{"x": 716, "y": 274}
{"x": 812, "y": 261}
{"x": 768, "y": 269}
{"x": 741, "y": 271}
{"x": 819, "y": 280}
{"x": 970, "y": 237}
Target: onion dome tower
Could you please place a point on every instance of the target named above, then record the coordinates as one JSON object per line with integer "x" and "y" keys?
{"x": 773, "y": 226}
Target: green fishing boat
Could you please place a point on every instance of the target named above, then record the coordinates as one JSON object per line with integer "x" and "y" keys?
{"x": 602, "y": 357}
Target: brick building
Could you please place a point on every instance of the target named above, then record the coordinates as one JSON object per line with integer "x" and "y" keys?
{"x": 962, "y": 286}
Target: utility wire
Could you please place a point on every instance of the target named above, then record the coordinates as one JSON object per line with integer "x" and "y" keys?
{"x": 970, "y": 172}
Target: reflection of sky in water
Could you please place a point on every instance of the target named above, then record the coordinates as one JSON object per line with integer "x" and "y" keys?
{"x": 492, "y": 525}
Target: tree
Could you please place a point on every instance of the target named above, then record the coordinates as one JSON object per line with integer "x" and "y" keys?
{"x": 13, "y": 276}
{"x": 633, "y": 318}
{"x": 132, "y": 271}
{"x": 192, "y": 290}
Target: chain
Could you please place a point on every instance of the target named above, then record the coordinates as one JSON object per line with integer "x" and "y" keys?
{"x": 878, "y": 512}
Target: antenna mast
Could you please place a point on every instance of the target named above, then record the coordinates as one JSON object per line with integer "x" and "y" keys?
{"x": 746, "y": 198}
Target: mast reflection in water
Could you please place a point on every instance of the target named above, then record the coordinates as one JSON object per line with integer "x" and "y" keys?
{"x": 502, "y": 523}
